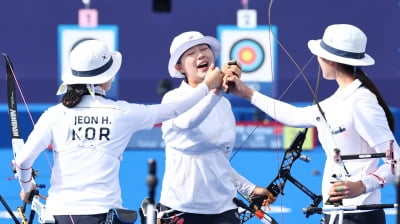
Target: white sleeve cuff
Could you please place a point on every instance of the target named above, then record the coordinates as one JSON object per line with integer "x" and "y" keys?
{"x": 371, "y": 183}
{"x": 242, "y": 185}
{"x": 256, "y": 97}
{"x": 25, "y": 179}
{"x": 26, "y": 186}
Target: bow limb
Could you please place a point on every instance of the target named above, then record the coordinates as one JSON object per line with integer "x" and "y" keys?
{"x": 272, "y": 36}
{"x": 339, "y": 170}
{"x": 276, "y": 187}
{"x": 17, "y": 144}
{"x": 16, "y": 141}
{"x": 291, "y": 58}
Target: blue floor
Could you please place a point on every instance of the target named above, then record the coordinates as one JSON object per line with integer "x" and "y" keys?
{"x": 259, "y": 166}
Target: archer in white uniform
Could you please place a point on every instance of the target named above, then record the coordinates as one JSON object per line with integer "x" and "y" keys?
{"x": 355, "y": 120}
{"x": 199, "y": 180}
{"x": 88, "y": 134}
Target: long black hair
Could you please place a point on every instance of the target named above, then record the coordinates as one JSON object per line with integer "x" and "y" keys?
{"x": 367, "y": 83}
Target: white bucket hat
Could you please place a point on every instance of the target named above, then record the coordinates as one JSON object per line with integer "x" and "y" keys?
{"x": 185, "y": 41}
{"x": 92, "y": 62}
{"x": 342, "y": 43}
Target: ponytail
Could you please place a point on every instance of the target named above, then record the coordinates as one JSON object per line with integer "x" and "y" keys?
{"x": 367, "y": 83}
{"x": 74, "y": 95}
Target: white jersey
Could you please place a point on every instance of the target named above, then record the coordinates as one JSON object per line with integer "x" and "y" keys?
{"x": 87, "y": 142}
{"x": 356, "y": 124}
{"x": 198, "y": 177}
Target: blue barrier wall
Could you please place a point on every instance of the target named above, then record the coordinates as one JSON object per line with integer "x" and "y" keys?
{"x": 258, "y": 166}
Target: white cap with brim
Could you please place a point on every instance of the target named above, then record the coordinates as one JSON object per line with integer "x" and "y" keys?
{"x": 342, "y": 43}
{"x": 91, "y": 62}
{"x": 185, "y": 41}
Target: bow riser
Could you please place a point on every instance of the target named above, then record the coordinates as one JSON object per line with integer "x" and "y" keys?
{"x": 278, "y": 183}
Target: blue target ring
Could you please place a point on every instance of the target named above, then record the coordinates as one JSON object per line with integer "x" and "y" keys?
{"x": 249, "y": 53}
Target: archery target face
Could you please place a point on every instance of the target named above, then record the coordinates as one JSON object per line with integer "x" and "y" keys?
{"x": 255, "y": 49}
{"x": 249, "y": 53}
